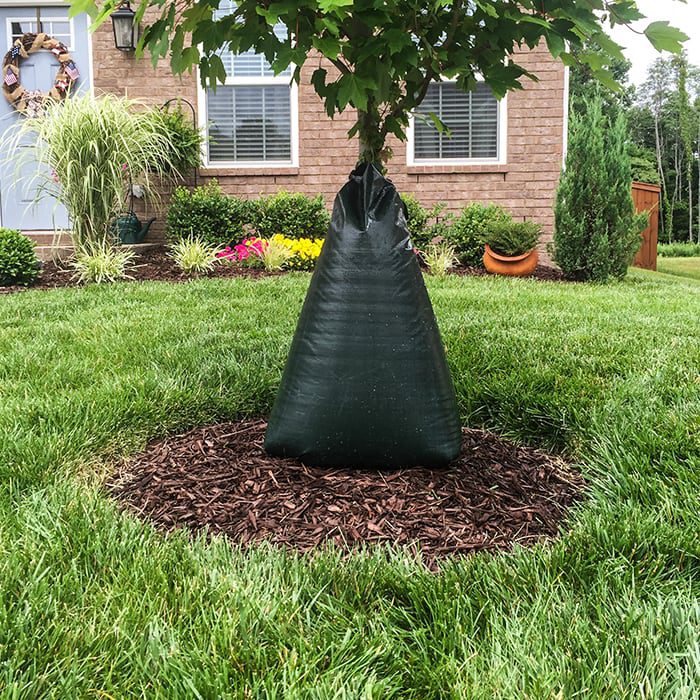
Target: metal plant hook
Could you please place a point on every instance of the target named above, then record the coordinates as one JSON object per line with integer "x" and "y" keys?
{"x": 194, "y": 119}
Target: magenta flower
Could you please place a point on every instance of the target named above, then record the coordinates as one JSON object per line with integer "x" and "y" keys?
{"x": 257, "y": 245}
{"x": 227, "y": 253}
{"x": 242, "y": 251}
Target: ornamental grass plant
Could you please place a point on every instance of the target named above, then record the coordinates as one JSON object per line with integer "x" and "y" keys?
{"x": 275, "y": 254}
{"x": 193, "y": 255}
{"x": 100, "y": 262}
{"x": 439, "y": 257}
{"x": 87, "y": 151}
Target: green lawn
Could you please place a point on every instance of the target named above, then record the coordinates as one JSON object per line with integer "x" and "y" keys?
{"x": 684, "y": 267}
{"x": 95, "y": 604}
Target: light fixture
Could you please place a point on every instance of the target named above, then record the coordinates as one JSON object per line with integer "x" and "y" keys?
{"x": 125, "y": 30}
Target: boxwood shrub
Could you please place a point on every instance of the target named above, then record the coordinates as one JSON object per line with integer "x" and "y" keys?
{"x": 468, "y": 231}
{"x": 207, "y": 213}
{"x": 291, "y": 214}
{"x": 424, "y": 224}
{"x": 18, "y": 261}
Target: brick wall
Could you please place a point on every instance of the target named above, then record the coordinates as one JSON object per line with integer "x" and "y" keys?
{"x": 525, "y": 185}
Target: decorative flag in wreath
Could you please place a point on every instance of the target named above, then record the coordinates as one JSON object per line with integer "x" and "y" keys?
{"x": 32, "y": 102}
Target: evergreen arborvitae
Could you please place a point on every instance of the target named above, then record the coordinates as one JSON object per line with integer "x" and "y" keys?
{"x": 596, "y": 230}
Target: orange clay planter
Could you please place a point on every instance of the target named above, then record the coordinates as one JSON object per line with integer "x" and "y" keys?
{"x": 518, "y": 266}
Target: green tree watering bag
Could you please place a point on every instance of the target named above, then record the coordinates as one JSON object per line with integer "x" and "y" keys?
{"x": 366, "y": 382}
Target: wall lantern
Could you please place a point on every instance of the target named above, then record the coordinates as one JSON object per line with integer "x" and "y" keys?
{"x": 125, "y": 30}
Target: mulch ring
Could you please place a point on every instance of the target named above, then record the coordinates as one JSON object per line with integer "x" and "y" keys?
{"x": 220, "y": 478}
{"x": 155, "y": 265}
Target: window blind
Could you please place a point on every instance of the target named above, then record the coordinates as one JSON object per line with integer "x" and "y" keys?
{"x": 250, "y": 116}
{"x": 471, "y": 117}
{"x": 249, "y": 123}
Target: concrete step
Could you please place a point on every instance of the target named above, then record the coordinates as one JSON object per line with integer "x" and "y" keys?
{"x": 62, "y": 252}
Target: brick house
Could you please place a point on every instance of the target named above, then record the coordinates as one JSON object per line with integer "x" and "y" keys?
{"x": 267, "y": 135}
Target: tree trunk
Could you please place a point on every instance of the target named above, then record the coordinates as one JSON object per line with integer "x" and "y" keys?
{"x": 690, "y": 201}
{"x": 660, "y": 166}
{"x": 371, "y": 140}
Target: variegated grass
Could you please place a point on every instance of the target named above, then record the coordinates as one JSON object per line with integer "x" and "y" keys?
{"x": 87, "y": 150}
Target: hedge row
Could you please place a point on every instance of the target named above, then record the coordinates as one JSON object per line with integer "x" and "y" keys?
{"x": 224, "y": 220}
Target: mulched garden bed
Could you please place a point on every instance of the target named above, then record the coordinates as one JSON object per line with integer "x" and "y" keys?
{"x": 220, "y": 478}
{"x": 155, "y": 265}
{"x": 150, "y": 265}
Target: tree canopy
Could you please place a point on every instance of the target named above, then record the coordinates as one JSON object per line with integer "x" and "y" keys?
{"x": 385, "y": 53}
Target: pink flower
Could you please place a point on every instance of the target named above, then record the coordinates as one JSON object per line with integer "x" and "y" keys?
{"x": 227, "y": 253}
{"x": 242, "y": 251}
{"x": 257, "y": 245}
{"x": 125, "y": 166}
{"x": 54, "y": 176}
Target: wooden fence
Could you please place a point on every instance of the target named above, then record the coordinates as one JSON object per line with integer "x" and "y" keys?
{"x": 647, "y": 198}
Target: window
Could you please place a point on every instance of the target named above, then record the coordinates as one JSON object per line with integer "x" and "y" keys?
{"x": 475, "y": 119}
{"x": 251, "y": 117}
{"x": 57, "y": 27}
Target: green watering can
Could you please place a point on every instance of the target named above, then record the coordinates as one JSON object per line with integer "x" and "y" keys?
{"x": 130, "y": 230}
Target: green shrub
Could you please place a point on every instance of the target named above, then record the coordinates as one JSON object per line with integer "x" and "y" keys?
{"x": 512, "y": 238}
{"x": 679, "y": 250}
{"x": 183, "y": 138}
{"x": 193, "y": 255}
{"x": 424, "y": 224}
{"x": 293, "y": 215}
{"x": 18, "y": 261}
{"x": 468, "y": 231}
{"x": 416, "y": 219}
{"x": 207, "y": 213}
{"x": 596, "y": 229}
{"x": 643, "y": 164}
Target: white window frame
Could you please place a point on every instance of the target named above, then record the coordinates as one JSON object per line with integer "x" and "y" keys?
{"x": 502, "y": 145}
{"x": 202, "y": 111}
{"x": 10, "y": 20}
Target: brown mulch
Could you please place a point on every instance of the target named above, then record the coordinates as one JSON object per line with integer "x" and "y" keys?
{"x": 155, "y": 265}
{"x": 150, "y": 265}
{"x": 220, "y": 478}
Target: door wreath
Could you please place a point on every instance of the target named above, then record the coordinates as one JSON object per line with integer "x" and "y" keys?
{"x": 32, "y": 102}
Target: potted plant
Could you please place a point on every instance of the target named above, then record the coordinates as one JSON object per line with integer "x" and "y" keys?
{"x": 511, "y": 248}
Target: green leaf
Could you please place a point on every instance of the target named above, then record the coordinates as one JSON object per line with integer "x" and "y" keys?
{"x": 487, "y": 8}
{"x": 77, "y": 7}
{"x": 396, "y": 39}
{"x": 329, "y": 46}
{"x": 333, "y": 5}
{"x": 555, "y": 44}
{"x": 664, "y": 37}
{"x": 624, "y": 12}
{"x": 610, "y": 47}
{"x": 606, "y": 78}
{"x": 439, "y": 124}
{"x": 532, "y": 19}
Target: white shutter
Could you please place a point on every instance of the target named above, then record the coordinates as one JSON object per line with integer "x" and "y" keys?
{"x": 471, "y": 117}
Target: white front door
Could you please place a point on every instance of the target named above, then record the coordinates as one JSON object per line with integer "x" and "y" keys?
{"x": 19, "y": 207}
